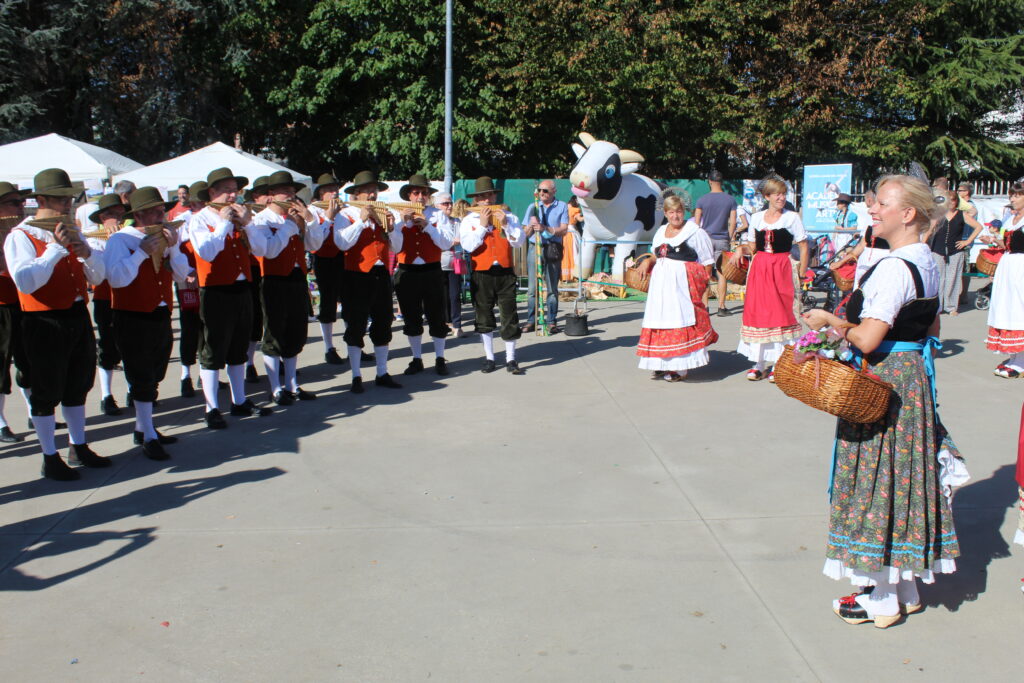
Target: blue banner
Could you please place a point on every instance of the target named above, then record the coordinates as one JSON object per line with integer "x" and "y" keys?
{"x": 822, "y": 184}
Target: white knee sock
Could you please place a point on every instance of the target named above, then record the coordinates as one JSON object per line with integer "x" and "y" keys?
{"x": 211, "y": 383}
{"x": 252, "y": 353}
{"x": 106, "y": 378}
{"x": 906, "y": 592}
{"x": 291, "y": 380}
{"x": 510, "y": 350}
{"x": 416, "y": 344}
{"x": 45, "y": 426}
{"x": 27, "y": 395}
{"x": 327, "y": 332}
{"x": 236, "y": 378}
{"x": 75, "y": 417}
{"x": 355, "y": 359}
{"x": 186, "y": 371}
{"x": 1016, "y": 362}
{"x": 382, "y": 359}
{"x": 273, "y": 366}
{"x": 3, "y": 400}
{"x": 438, "y": 346}
{"x": 488, "y": 339}
{"x": 144, "y": 420}
{"x": 759, "y": 365}
{"x": 882, "y": 600}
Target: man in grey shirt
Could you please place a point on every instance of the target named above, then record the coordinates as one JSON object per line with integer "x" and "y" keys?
{"x": 716, "y": 214}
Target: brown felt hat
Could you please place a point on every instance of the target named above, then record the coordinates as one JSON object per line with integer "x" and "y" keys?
{"x": 483, "y": 185}
{"x": 7, "y": 188}
{"x": 365, "y": 178}
{"x": 225, "y": 173}
{"x": 258, "y": 185}
{"x": 104, "y": 203}
{"x": 323, "y": 180}
{"x": 283, "y": 178}
{"x": 198, "y": 192}
{"x": 416, "y": 180}
{"x": 53, "y": 182}
{"x": 147, "y": 198}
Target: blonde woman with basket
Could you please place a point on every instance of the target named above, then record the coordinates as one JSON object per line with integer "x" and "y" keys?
{"x": 891, "y": 520}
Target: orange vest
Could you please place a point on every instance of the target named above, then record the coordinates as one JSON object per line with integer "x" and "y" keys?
{"x": 189, "y": 252}
{"x": 328, "y": 249}
{"x": 493, "y": 249}
{"x": 418, "y": 244}
{"x": 284, "y": 263}
{"x": 372, "y": 246}
{"x": 66, "y": 283}
{"x": 232, "y": 261}
{"x": 101, "y": 292}
{"x": 8, "y": 292}
{"x": 145, "y": 292}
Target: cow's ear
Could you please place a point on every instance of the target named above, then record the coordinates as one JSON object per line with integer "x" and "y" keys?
{"x": 629, "y": 168}
{"x": 579, "y": 149}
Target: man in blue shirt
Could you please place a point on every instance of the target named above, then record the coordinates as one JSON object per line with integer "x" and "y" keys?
{"x": 548, "y": 221}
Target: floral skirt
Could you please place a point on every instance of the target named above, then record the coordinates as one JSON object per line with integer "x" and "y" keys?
{"x": 889, "y": 510}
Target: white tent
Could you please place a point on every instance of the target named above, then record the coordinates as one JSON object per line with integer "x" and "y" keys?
{"x": 188, "y": 168}
{"x": 20, "y": 161}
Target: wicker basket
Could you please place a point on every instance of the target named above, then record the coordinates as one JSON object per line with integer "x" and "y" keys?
{"x": 734, "y": 274}
{"x": 833, "y": 387}
{"x": 988, "y": 261}
{"x": 844, "y": 274}
{"x": 638, "y": 275}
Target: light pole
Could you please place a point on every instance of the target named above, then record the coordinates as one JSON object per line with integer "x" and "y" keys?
{"x": 448, "y": 97}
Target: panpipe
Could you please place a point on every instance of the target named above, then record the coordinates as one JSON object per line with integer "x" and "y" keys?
{"x": 50, "y": 224}
{"x": 380, "y": 211}
{"x": 497, "y": 215}
{"x": 8, "y": 222}
{"x": 157, "y": 258}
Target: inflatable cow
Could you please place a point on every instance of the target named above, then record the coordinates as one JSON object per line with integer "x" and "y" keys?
{"x": 617, "y": 204}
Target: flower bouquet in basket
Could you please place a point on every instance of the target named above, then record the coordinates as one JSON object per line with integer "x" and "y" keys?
{"x": 818, "y": 371}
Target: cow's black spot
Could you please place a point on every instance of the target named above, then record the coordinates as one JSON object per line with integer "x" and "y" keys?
{"x": 645, "y": 211}
{"x": 608, "y": 185}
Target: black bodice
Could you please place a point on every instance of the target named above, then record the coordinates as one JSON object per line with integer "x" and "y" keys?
{"x": 682, "y": 252}
{"x": 780, "y": 241}
{"x": 1014, "y": 241}
{"x": 913, "y": 320}
{"x": 877, "y": 243}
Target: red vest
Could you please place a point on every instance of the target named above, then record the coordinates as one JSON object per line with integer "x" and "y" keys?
{"x": 189, "y": 252}
{"x": 372, "y": 246}
{"x": 493, "y": 249}
{"x": 101, "y": 292}
{"x": 328, "y": 249}
{"x": 145, "y": 292}
{"x": 8, "y": 292}
{"x": 418, "y": 244}
{"x": 293, "y": 253}
{"x": 67, "y": 283}
{"x": 232, "y": 261}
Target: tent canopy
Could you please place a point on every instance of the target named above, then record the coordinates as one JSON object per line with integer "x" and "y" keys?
{"x": 20, "y": 161}
{"x": 188, "y": 168}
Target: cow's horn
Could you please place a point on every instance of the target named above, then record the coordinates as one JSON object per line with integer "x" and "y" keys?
{"x": 627, "y": 155}
{"x": 587, "y": 139}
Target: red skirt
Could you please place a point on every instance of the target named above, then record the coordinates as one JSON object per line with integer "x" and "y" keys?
{"x": 657, "y": 343}
{"x": 1004, "y": 341}
{"x": 768, "y": 303}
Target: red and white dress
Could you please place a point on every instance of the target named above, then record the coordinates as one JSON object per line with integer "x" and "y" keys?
{"x": 1006, "y": 314}
{"x": 676, "y": 328}
{"x": 771, "y": 307}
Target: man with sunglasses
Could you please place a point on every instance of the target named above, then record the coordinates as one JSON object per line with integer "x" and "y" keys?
{"x": 548, "y": 221}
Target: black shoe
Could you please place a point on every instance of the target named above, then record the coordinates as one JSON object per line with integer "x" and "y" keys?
{"x": 154, "y": 451}
{"x": 441, "y": 366}
{"x": 357, "y": 385}
{"x": 332, "y": 357}
{"x": 415, "y": 365}
{"x": 108, "y": 406}
{"x": 56, "y": 469}
{"x": 368, "y": 359}
{"x": 214, "y": 420}
{"x": 250, "y": 375}
{"x": 56, "y": 425}
{"x": 84, "y": 456}
{"x": 139, "y": 439}
{"x": 513, "y": 368}
{"x": 722, "y": 312}
{"x": 187, "y": 390}
{"x": 304, "y": 395}
{"x": 7, "y": 436}
{"x": 488, "y": 366}
{"x": 249, "y": 408}
{"x": 385, "y": 380}
{"x": 282, "y": 397}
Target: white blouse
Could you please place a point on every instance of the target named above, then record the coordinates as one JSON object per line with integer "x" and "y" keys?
{"x": 789, "y": 220}
{"x": 891, "y": 285}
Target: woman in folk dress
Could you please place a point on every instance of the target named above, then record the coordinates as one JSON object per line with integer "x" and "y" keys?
{"x": 891, "y": 519}
{"x": 676, "y": 328}
{"x": 771, "y": 304}
{"x": 1006, "y": 313}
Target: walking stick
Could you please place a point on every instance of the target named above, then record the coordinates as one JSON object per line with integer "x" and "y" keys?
{"x": 540, "y": 294}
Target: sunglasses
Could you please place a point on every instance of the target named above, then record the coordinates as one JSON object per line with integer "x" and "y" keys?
{"x": 17, "y": 201}
{"x": 444, "y": 203}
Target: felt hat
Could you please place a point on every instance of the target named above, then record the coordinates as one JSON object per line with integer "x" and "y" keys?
{"x": 365, "y": 178}
{"x": 258, "y": 185}
{"x": 484, "y": 184}
{"x": 53, "y": 182}
{"x": 7, "y": 188}
{"x": 283, "y": 178}
{"x": 843, "y": 198}
{"x": 105, "y": 202}
{"x": 416, "y": 180}
{"x": 147, "y": 198}
{"x": 325, "y": 179}
{"x": 220, "y": 174}
{"x": 198, "y": 192}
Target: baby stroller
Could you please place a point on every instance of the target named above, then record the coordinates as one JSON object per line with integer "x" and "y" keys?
{"x": 819, "y": 288}
{"x": 983, "y": 297}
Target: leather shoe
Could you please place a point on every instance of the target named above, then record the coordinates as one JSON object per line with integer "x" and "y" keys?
{"x": 251, "y": 377}
{"x": 56, "y": 469}
{"x": 108, "y": 406}
{"x": 851, "y": 611}
{"x": 357, "y": 385}
{"x": 84, "y": 456}
{"x": 415, "y": 366}
{"x": 488, "y": 366}
{"x": 282, "y": 397}
{"x": 214, "y": 420}
{"x": 187, "y": 390}
{"x": 138, "y": 439}
{"x": 154, "y": 451}
{"x": 7, "y": 436}
{"x": 513, "y": 368}
{"x": 332, "y": 357}
{"x": 385, "y": 380}
{"x": 249, "y": 408}
{"x": 554, "y": 329}
{"x": 304, "y": 395}
{"x": 529, "y": 327}
{"x": 441, "y": 366}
